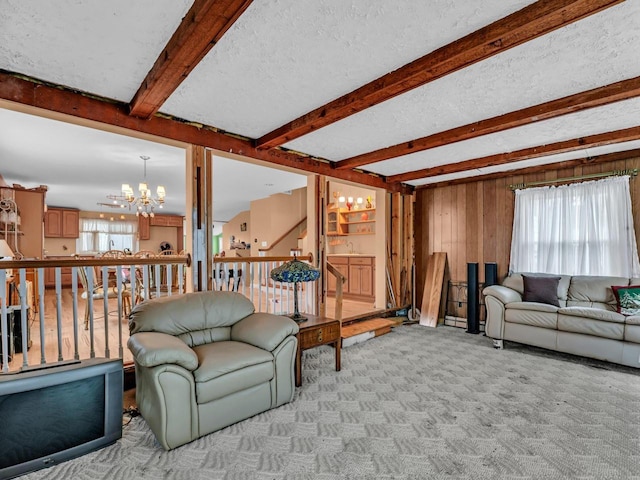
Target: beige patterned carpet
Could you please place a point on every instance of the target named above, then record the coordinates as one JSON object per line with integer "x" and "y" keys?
{"x": 417, "y": 403}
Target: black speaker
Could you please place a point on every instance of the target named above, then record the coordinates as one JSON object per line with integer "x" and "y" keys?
{"x": 473, "y": 303}
{"x": 17, "y": 330}
{"x": 490, "y": 274}
{"x": 10, "y": 337}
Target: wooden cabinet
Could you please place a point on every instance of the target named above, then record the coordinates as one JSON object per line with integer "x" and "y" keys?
{"x": 53, "y": 223}
{"x": 62, "y": 223}
{"x": 342, "y": 265}
{"x": 316, "y": 331}
{"x": 334, "y": 227}
{"x": 70, "y": 223}
{"x": 165, "y": 221}
{"x": 360, "y": 276}
{"x": 144, "y": 228}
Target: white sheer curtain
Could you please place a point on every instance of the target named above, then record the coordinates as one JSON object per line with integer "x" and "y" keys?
{"x": 97, "y": 235}
{"x": 578, "y": 229}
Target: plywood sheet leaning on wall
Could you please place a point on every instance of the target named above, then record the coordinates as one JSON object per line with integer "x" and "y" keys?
{"x": 433, "y": 288}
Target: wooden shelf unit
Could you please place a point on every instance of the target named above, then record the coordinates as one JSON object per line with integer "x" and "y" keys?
{"x": 341, "y": 221}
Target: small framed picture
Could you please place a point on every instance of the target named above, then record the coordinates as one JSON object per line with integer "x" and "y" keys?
{"x": 243, "y": 227}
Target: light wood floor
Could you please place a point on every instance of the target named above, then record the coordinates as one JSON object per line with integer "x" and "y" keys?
{"x": 78, "y": 343}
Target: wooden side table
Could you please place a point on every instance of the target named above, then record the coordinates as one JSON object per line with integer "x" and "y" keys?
{"x": 316, "y": 331}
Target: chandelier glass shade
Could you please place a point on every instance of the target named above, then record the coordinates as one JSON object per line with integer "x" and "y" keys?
{"x": 144, "y": 202}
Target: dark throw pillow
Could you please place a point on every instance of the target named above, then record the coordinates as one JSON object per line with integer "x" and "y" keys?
{"x": 628, "y": 299}
{"x": 541, "y": 290}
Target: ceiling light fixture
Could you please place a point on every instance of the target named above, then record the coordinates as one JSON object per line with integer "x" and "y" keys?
{"x": 145, "y": 202}
{"x": 115, "y": 201}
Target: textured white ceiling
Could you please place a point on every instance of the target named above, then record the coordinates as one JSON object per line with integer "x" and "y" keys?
{"x": 593, "y": 52}
{"x": 587, "y": 122}
{"x": 105, "y": 48}
{"x": 283, "y": 58}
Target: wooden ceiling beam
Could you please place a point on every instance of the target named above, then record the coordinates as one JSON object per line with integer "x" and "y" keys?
{"x": 201, "y": 28}
{"x": 599, "y": 140}
{"x": 578, "y": 162}
{"x": 596, "y": 97}
{"x": 64, "y": 101}
{"x": 522, "y": 26}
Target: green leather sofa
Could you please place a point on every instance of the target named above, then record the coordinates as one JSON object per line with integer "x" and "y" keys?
{"x": 206, "y": 360}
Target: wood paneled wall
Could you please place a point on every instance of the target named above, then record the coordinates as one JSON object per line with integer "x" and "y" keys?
{"x": 472, "y": 222}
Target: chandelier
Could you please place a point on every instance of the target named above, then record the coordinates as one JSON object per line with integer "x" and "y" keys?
{"x": 144, "y": 203}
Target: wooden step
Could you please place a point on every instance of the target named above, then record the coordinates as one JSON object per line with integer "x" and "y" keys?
{"x": 366, "y": 329}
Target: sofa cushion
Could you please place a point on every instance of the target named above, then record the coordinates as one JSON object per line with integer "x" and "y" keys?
{"x": 632, "y": 333}
{"x": 534, "y": 314}
{"x": 587, "y": 326}
{"x": 593, "y": 313}
{"x": 593, "y": 291}
{"x": 541, "y": 289}
{"x": 632, "y": 320}
{"x": 627, "y": 299}
{"x": 228, "y": 367}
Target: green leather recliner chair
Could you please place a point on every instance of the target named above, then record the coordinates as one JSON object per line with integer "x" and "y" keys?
{"x": 206, "y": 360}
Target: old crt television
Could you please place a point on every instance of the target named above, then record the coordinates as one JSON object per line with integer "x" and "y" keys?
{"x": 54, "y": 414}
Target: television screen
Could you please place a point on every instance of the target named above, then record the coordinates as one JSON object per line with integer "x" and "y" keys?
{"x": 55, "y": 420}
{"x": 50, "y": 415}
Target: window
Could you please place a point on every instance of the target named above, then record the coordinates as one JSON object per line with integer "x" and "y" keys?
{"x": 98, "y": 235}
{"x": 578, "y": 229}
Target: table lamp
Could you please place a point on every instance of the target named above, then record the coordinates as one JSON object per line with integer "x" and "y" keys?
{"x": 294, "y": 271}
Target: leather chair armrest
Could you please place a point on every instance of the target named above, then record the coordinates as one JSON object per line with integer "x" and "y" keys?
{"x": 151, "y": 349}
{"x": 504, "y": 294}
{"x": 263, "y": 330}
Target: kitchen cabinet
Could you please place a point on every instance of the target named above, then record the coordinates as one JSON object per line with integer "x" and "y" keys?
{"x": 165, "y": 221}
{"x": 53, "y": 223}
{"x": 61, "y": 223}
{"x": 360, "y": 276}
{"x": 342, "y": 265}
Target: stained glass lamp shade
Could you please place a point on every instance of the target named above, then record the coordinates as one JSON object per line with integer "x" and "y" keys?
{"x": 295, "y": 271}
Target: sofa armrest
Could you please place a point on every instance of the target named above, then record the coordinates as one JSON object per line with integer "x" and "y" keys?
{"x": 504, "y": 294}
{"x": 263, "y": 330}
{"x": 151, "y": 349}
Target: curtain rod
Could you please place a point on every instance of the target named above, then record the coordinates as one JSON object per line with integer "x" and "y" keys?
{"x": 614, "y": 173}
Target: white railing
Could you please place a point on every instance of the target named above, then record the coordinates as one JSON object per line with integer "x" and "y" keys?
{"x": 251, "y": 277}
{"x": 61, "y": 336}
{"x": 67, "y": 323}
